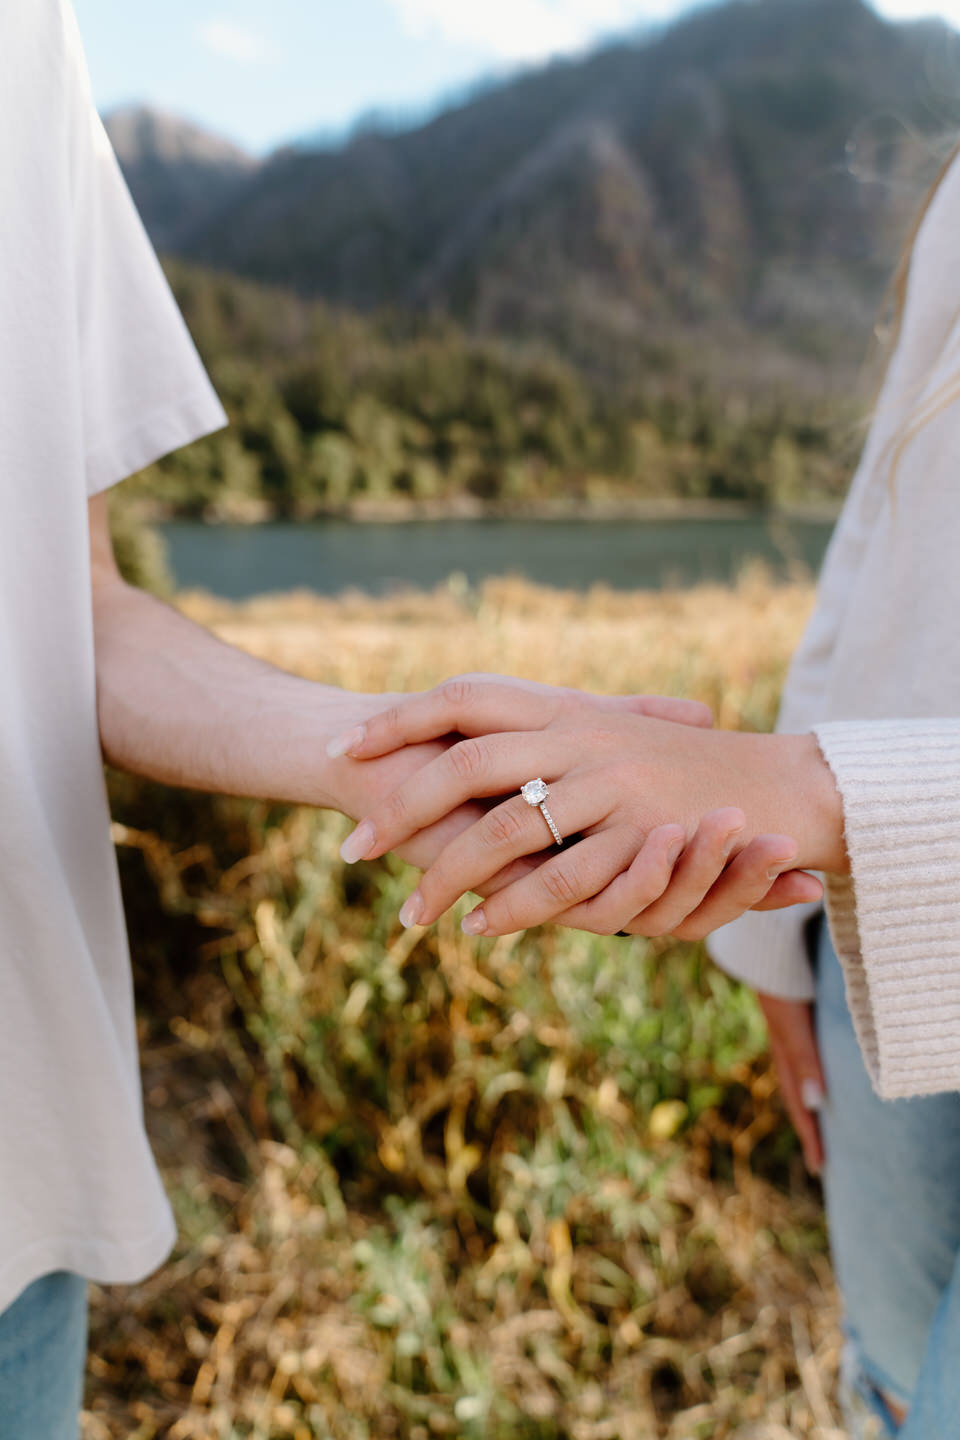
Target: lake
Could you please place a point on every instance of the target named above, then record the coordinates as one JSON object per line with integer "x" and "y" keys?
{"x": 238, "y": 561}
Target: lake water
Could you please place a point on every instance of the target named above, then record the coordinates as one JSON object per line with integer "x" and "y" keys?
{"x": 237, "y": 561}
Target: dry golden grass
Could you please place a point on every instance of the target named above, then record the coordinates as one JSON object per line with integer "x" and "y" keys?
{"x": 535, "y": 1189}
{"x": 728, "y": 647}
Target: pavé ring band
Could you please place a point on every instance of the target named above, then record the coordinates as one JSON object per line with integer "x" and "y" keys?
{"x": 535, "y": 793}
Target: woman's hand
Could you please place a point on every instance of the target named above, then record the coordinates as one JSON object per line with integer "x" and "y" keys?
{"x": 357, "y": 789}
{"x": 637, "y": 789}
{"x": 793, "y": 1044}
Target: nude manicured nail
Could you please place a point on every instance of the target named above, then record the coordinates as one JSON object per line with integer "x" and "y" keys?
{"x": 350, "y": 740}
{"x": 776, "y": 871}
{"x": 811, "y": 1095}
{"x": 675, "y": 851}
{"x": 474, "y": 924}
{"x": 412, "y": 911}
{"x": 358, "y": 843}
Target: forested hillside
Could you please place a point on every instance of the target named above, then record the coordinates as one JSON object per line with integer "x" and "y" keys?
{"x": 645, "y": 274}
{"x": 337, "y": 413}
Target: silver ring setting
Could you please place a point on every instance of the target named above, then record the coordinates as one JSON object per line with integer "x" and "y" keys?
{"x": 536, "y": 793}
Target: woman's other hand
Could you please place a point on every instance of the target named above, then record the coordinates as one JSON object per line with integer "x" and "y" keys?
{"x": 793, "y": 1044}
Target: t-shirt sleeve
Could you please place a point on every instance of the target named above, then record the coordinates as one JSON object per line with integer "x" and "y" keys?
{"x": 144, "y": 389}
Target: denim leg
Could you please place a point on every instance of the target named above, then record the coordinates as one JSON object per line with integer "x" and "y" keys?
{"x": 935, "y": 1411}
{"x": 892, "y": 1188}
{"x": 43, "y": 1344}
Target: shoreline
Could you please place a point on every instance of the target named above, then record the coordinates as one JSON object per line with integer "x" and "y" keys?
{"x": 387, "y": 513}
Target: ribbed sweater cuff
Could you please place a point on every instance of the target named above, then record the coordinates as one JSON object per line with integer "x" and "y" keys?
{"x": 896, "y": 921}
{"x": 768, "y": 950}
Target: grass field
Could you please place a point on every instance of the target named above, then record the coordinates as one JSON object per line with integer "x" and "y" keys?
{"x": 529, "y": 1189}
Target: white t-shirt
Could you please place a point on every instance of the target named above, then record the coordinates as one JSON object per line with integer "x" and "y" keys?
{"x": 98, "y": 377}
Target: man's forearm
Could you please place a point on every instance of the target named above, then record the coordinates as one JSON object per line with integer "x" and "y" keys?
{"x": 178, "y": 705}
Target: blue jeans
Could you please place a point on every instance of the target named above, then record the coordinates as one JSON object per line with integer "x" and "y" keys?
{"x": 892, "y": 1187}
{"x": 43, "y": 1345}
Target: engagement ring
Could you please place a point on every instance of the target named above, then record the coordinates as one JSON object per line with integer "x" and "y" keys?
{"x": 535, "y": 793}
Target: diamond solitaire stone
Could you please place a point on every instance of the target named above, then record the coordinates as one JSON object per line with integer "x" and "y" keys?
{"x": 535, "y": 792}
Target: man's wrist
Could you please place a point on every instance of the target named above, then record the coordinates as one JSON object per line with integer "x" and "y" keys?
{"x": 338, "y": 712}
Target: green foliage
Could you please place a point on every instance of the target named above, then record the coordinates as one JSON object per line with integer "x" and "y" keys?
{"x": 537, "y": 1187}
{"x": 490, "y": 1175}
{"x": 140, "y": 552}
{"x": 332, "y": 413}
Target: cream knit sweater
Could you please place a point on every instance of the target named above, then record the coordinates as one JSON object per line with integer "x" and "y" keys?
{"x": 877, "y": 679}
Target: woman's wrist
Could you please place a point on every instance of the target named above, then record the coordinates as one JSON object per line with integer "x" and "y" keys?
{"x": 813, "y": 805}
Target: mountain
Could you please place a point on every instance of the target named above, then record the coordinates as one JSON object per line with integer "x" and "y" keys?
{"x": 750, "y": 170}
{"x": 180, "y": 175}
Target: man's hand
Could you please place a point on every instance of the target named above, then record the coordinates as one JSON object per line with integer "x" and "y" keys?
{"x": 178, "y": 705}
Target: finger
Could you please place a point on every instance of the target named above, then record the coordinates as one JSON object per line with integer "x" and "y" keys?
{"x": 742, "y": 885}
{"x": 701, "y": 864}
{"x": 464, "y": 706}
{"x": 558, "y": 885}
{"x": 505, "y": 834}
{"x": 664, "y": 707}
{"x": 793, "y": 1043}
{"x": 804, "y": 1120}
{"x": 487, "y": 765}
{"x": 426, "y": 845}
{"x": 516, "y": 870}
{"x": 635, "y": 889}
{"x": 656, "y": 707}
{"x": 481, "y": 705}
{"x": 793, "y": 887}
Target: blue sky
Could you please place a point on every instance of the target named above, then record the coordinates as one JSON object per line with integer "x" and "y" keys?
{"x": 263, "y": 71}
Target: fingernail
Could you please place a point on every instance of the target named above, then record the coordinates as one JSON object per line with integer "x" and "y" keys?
{"x": 474, "y": 924}
{"x": 348, "y": 741}
{"x": 675, "y": 851}
{"x": 811, "y": 1095}
{"x": 776, "y": 871}
{"x": 358, "y": 843}
{"x": 731, "y": 839}
{"x": 412, "y": 911}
